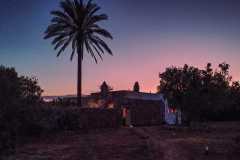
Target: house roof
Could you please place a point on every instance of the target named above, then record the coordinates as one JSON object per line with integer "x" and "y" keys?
{"x": 145, "y": 96}
{"x": 135, "y": 95}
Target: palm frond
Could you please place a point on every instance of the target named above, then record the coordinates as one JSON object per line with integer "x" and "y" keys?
{"x": 96, "y": 50}
{"x": 69, "y": 9}
{"x": 89, "y": 4}
{"x": 73, "y": 48}
{"x": 64, "y": 46}
{"x": 103, "y": 44}
{"x": 58, "y": 38}
{"x": 96, "y": 18}
{"x": 90, "y": 51}
{"x": 61, "y": 15}
{"x": 59, "y": 44}
{"x": 75, "y": 25}
{"x": 62, "y": 22}
{"x": 102, "y": 32}
{"x": 94, "y": 10}
{"x": 95, "y": 42}
{"x": 55, "y": 30}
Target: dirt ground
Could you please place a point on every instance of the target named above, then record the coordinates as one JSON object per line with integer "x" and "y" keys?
{"x": 138, "y": 143}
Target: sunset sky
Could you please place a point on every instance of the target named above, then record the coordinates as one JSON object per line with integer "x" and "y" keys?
{"x": 149, "y": 35}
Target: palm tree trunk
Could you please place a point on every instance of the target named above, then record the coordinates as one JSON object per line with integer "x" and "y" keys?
{"x": 79, "y": 81}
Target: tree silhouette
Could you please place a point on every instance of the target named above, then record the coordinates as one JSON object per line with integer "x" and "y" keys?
{"x": 15, "y": 90}
{"x": 136, "y": 87}
{"x": 105, "y": 89}
{"x": 202, "y": 94}
{"x": 76, "y": 26}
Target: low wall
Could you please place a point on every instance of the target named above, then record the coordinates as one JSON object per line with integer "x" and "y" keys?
{"x": 86, "y": 118}
{"x": 99, "y": 118}
{"x": 31, "y": 121}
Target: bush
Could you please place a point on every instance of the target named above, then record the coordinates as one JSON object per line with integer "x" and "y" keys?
{"x": 7, "y": 132}
{"x": 16, "y": 94}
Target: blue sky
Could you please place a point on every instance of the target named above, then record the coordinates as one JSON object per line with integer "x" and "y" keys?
{"x": 148, "y": 37}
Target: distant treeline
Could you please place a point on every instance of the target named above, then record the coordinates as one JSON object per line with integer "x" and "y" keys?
{"x": 202, "y": 94}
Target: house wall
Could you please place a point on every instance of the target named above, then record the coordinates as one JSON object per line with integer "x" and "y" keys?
{"x": 144, "y": 108}
{"x": 144, "y": 113}
{"x": 172, "y": 118}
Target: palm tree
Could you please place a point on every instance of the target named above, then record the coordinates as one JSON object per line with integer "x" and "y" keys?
{"x": 76, "y": 26}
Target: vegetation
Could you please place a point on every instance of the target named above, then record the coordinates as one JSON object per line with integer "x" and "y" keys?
{"x": 76, "y": 25}
{"x": 136, "y": 87}
{"x": 23, "y": 114}
{"x": 16, "y": 93}
{"x": 105, "y": 89}
{"x": 16, "y": 89}
{"x": 202, "y": 94}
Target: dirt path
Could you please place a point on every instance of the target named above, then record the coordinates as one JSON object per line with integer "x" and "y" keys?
{"x": 143, "y": 143}
{"x": 162, "y": 149}
{"x": 185, "y": 144}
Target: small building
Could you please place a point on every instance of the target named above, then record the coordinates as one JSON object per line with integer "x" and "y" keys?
{"x": 138, "y": 108}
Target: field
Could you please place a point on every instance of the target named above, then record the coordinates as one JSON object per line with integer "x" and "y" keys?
{"x": 138, "y": 143}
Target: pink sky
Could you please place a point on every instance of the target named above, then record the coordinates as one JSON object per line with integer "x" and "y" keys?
{"x": 121, "y": 72}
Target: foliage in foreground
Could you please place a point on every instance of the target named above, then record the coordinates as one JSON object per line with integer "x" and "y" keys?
{"x": 23, "y": 114}
{"x": 16, "y": 93}
{"x": 202, "y": 94}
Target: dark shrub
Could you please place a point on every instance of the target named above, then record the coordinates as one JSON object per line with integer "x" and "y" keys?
{"x": 16, "y": 95}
